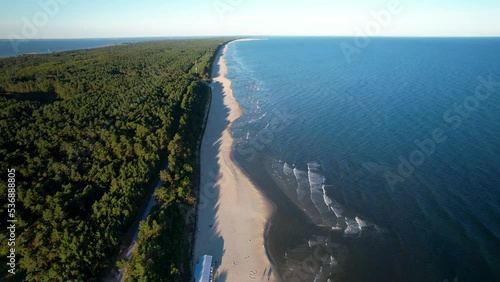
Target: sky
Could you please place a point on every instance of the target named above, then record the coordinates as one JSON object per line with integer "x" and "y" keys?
{"x": 31, "y": 19}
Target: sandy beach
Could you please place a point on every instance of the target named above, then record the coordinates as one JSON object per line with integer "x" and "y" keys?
{"x": 232, "y": 213}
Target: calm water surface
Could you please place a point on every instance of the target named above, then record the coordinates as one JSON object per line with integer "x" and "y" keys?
{"x": 384, "y": 168}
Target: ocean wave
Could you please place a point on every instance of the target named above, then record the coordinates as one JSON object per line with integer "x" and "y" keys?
{"x": 303, "y": 192}
{"x": 323, "y": 209}
{"x": 353, "y": 227}
{"x": 333, "y": 205}
{"x": 316, "y": 240}
{"x": 316, "y": 185}
{"x": 287, "y": 169}
{"x": 361, "y": 223}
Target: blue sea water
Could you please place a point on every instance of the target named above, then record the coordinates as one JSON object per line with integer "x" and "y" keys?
{"x": 384, "y": 166}
{"x": 10, "y": 48}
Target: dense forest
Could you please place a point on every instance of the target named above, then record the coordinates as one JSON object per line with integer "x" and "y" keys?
{"x": 87, "y": 132}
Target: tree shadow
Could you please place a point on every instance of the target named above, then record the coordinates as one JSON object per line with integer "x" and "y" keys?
{"x": 208, "y": 237}
{"x": 44, "y": 98}
{"x": 221, "y": 277}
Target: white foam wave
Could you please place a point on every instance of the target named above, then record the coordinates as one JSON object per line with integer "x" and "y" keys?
{"x": 352, "y": 227}
{"x": 361, "y": 223}
{"x": 319, "y": 275}
{"x": 316, "y": 185}
{"x": 287, "y": 169}
{"x": 333, "y": 205}
{"x": 333, "y": 261}
{"x": 337, "y": 227}
{"x": 312, "y": 195}
{"x": 317, "y": 240}
{"x": 302, "y": 190}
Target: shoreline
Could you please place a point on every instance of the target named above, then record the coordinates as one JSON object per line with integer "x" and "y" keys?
{"x": 234, "y": 215}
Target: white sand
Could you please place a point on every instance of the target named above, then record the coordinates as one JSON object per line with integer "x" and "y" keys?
{"x": 233, "y": 213}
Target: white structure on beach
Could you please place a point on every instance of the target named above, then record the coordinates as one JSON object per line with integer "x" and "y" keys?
{"x": 204, "y": 270}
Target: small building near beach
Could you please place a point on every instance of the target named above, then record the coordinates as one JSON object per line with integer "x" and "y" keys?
{"x": 204, "y": 270}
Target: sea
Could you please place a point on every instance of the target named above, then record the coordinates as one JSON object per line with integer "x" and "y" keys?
{"x": 381, "y": 156}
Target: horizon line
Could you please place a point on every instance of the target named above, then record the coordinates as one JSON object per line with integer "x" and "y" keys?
{"x": 250, "y": 36}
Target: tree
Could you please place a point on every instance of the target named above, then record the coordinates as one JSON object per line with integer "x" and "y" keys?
{"x": 165, "y": 176}
{"x": 86, "y": 140}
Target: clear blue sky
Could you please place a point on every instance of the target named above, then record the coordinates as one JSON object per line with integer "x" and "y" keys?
{"x": 127, "y": 18}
